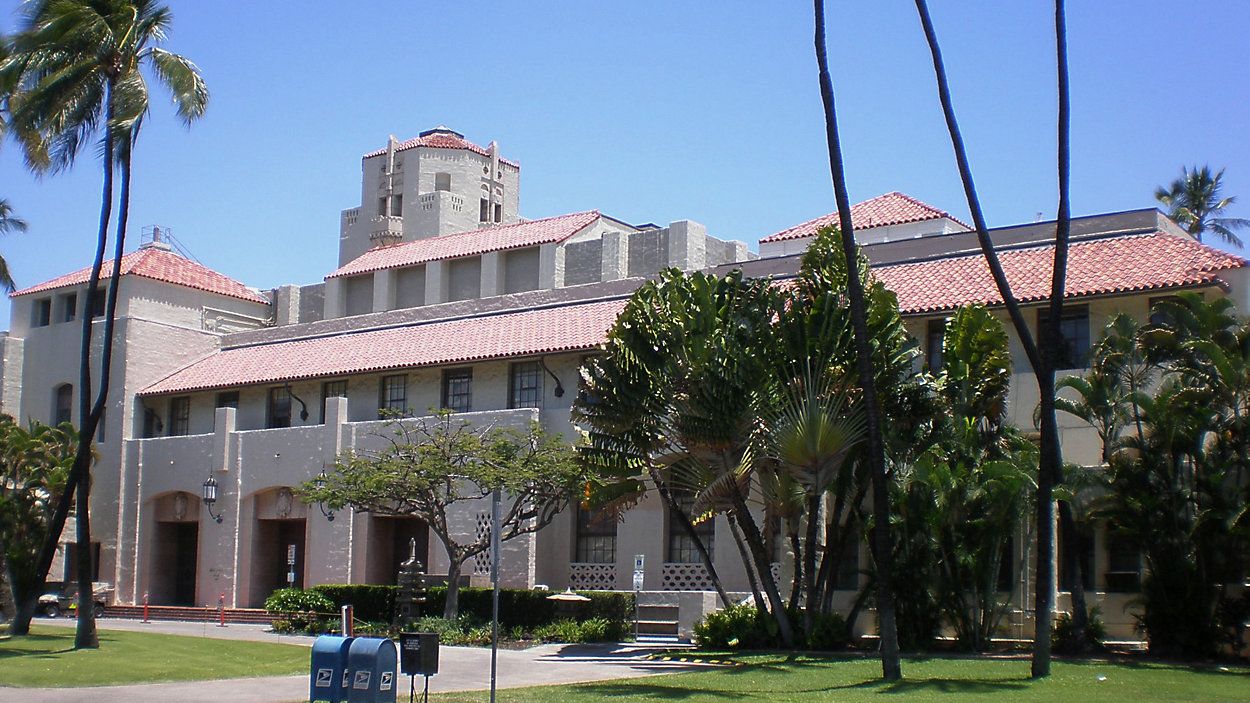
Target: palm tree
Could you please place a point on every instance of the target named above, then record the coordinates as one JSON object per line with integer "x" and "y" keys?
{"x": 8, "y": 223}
{"x": 1041, "y": 356}
{"x": 1194, "y": 202}
{"x": 75, "y": 75}
{"x": 891, "y": 669}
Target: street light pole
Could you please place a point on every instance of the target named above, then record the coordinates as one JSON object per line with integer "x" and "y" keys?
{"x": 495, "y": 500}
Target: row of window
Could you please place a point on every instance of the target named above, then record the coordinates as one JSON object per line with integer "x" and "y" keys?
{"x": 525, "y": 384}
{"x": 66, "y": 309}
{"x": 1073, "y": 329}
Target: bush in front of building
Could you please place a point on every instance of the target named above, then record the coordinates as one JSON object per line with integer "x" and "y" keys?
{"x": 736, "y": 627}
{"x": 298, "y": 610}
{"x": 370, "y": 602}
{"x": 530, "y": 610}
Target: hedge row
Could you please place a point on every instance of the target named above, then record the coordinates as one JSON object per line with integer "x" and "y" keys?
{"x": 517, "y": 608}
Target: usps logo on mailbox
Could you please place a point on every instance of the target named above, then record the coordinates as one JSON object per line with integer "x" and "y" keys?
{"x": 324, "y": 678}
{"x": 388, "y": 678}
{"x": 347, "y": 678}
{"x": 361, "y": 682}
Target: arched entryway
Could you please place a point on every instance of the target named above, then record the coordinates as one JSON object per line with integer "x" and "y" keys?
{"x": 175, "y": 549}
{"x": 280, "y": 528}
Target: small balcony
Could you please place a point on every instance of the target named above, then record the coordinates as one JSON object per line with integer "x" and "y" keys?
{"x": 387, "y": 229}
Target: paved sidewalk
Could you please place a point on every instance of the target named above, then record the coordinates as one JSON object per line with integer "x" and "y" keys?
{"x": 460, "y": 669}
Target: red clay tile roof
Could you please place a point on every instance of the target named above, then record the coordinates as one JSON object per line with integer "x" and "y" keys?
{"x": 882, "y": 211}
{"x": 480, "y": 241}
{"x": 1096, "y": 267}
{"x": 159, "y": 265}
{"x": 526, "y": 333}
{"x": 440, "y": 138}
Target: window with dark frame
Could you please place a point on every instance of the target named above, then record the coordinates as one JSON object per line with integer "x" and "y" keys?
{"x": 595, "y": 542}
{"x": 42, "y": 316}
{"x": 227, "y": 399}
{"x": 848, "y": 565}
{"x": 1123, "y": 565}
{"x": 498, "y": 212}
{"x": 279, "y": 408}
{"x": 458, "y": 390}
{"x": 1074, "y": 331}
{"x": 525, "y": 383}
{"x": 179, "y": 416}
{"x": 1159, "y": 316}
{"x": 935, "y": 337}
{"x": 483, "y": 212}
{"x": 1083, "y": 541}
{"x": 331, "y": 389}
{"x": 69, "y": 307}
{"x": 393, "y": 395}
{"x": 98, "y": 303}
{"x": 681, "y": 546}
{"x": 63, "y": 406}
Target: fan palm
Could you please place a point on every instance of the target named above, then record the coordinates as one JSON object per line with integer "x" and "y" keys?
{"x": 8, "y": 223}
{"x": 1195, "y": 203}
{"x": 75, "y": 75}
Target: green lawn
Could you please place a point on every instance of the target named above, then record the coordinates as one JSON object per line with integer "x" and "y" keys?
{"x": 47, "y": 659}
{"x": 776, "y": 679}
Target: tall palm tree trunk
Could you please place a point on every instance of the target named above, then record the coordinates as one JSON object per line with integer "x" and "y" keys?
{"x": 891, "y": 669}
{"x": 1041, "y": 359}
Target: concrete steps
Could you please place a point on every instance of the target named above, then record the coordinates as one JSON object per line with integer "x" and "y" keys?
{"x": 657, "y": 620}
{"x": 189, "y": 614}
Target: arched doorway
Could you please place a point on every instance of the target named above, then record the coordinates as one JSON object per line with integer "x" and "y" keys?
{"x": 280, "y": 530}
{"x": 175, "y": 549}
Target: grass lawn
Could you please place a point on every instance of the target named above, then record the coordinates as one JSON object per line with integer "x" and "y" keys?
{"x": 47, "y": 659}
{"x": 777, "y": 678}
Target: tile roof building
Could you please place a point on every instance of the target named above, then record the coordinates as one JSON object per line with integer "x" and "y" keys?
{"x": 443, "y": 296}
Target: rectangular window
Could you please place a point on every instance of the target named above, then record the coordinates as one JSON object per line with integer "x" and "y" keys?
{"x": 596, "y": 537}
{"x": 179, "y": 416}
{"x": 64, "y": 405}
{"x": 525, "y": 383}
{"x": 498, "y": 212}
{"x": 442, "y": 181}
{"x": 1123, "y": 565}
{"x": 69, "y": 307}
{"x": 681, "y": 546}
{"x": 1157, "y": 315}
{"x": 934, "y": 340}
{"x": 152, "y": 425}
{"x": 279, "y": 410}
{"x": 228, "y": 399}
{"x": 1074, "y": 332}
{"x": 848, "y": 566}
{"x": 1068, "y": 558}
{"x": 382, "y": 206}
{"x": 97, "y": 305}
{"x": 393, "y": 395}
{"x": 1006, "y": 569}
{"x": 397, "y": 205}
{"x": 458, "y": 390}
{"x": 483, "y": 211}
{"x": 42, "y": 315}
{"x": 331, "y": 389}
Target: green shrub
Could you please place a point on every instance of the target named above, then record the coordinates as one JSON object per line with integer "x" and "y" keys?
{"x": 369, "y": 602}
{"x": 295, "y": 600}
{"x": 575, "y": 632}
{"x": 531, "y": 609}
{"x": 1063, "y": 637}
{"x": 736, "y": 627}
{"x": 828, "y": 632}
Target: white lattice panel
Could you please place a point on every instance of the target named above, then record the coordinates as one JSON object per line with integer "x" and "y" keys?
{"x": 592, "y": 577}
{"x": 481, "y": 561}
{"x": 774, "y": 570}
{"x": 684, "y": 577}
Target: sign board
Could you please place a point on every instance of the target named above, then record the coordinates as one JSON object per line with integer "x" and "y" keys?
{"x": 418, "y": 653}
{"x": 324, "y": 678}
{"x": 290, "y": 555}
{"x": 639, "y": 561}
{"x": 637, "y": 580}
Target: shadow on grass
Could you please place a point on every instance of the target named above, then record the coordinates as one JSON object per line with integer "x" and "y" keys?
{"x": 43, "y": 646}
{"x": 655, "y": 691}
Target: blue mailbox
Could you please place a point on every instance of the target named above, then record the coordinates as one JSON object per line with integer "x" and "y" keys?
{"x": 327, "y": 679}
{"x": 371, "y": 662}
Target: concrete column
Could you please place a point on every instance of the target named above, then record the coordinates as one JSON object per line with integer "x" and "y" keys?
{"x": 550, "y": 266}
{"x": 492, "y": 274}
{"x": 615, "y": 256}
{"x": 383, "y": 290}
{"x": 686, "y": 248}
{"x": 12, "y": 359}
{"x": 286, "y": 306}
{"x": 218, "y": 542}
{"x": 334, "y": 303}
{"x": 435, "y": 282}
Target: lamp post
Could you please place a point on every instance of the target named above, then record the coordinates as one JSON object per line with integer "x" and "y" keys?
{"x": 320, "y": 483}
{"x": 210, "y": 497}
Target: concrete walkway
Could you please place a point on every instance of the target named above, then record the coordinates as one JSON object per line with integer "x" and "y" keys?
{"x": 460, "y": 669}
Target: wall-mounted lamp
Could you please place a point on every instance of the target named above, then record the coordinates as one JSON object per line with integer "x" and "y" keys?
{"x": 210, "y": 497}
{"x": 320, "y": 483}
{"x": 559, "y": 391}
{"x": 303, "y": 412}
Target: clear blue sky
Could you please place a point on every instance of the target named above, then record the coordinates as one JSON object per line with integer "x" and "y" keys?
{"x": 650, "y": 111}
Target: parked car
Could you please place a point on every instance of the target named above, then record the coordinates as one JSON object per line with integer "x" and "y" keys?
{"x": 66, "y": 600}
